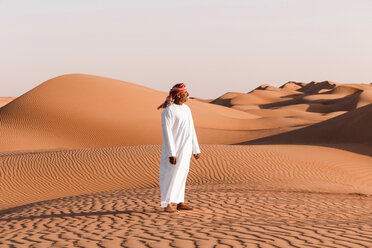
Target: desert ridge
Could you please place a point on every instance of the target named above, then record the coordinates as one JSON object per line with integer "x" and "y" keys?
{"x": 5, "y": 100}
{"x": 82, "y": 111}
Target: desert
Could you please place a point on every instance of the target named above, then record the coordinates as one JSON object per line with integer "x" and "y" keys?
{"x": 286, "y": 166}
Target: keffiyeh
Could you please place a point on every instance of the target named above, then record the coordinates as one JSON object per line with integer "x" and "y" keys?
{"x": 172, "y": 94}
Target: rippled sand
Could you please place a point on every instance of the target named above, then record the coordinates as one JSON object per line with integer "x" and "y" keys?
{"x": 225, "y": 215}
{"x": 258, "y": 196}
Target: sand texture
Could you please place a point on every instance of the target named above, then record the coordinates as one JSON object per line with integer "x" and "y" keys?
{"x": 226, "y": 216}
{"x": 36, "y": 176}
{"x": 279, "y": 167}
{"x": 278, "y": 195}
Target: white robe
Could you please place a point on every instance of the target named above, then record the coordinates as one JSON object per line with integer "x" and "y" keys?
{"x": 180, "y": 141}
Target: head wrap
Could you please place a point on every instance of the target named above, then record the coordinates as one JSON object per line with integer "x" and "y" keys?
{"x": 172, "y": 94}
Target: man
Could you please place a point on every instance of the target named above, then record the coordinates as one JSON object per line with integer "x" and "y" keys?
{"x": 179, "y": 143}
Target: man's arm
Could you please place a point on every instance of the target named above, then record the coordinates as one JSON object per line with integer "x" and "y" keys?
{"x": 195, "y": 145}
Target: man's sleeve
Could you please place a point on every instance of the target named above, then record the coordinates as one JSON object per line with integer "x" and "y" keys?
{"x": 195, "y": 145}
{"x": 166, "y": 124}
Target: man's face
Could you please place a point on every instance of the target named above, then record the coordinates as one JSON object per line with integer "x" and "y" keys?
{"x": 184, "y": 96}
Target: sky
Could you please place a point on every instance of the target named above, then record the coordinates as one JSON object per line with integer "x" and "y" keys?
{"x": 212, "y": 46}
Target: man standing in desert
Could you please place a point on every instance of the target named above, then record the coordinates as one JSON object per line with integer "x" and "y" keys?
{"x": 179, "y": 143}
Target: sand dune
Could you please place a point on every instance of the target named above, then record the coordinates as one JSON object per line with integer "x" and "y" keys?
{"x": 299, "y": 104}
{"x": 292, "y": 85}
{"x": 316, "y": 87}
{"x": 5, "y": 100}
{"x": 78, "y": 110}
{"x": 351, "y": 127}
{"x": 323, "y": 97}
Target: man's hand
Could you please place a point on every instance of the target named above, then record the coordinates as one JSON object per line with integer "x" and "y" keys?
{"x": 197, "y": 156}
{"x": 172, "y": 160}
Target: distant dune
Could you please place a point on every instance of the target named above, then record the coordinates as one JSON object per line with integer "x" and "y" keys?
{"x": 351, "y": 127}
{"x": 5, "y": 100}
{"x": 317, "y": 98}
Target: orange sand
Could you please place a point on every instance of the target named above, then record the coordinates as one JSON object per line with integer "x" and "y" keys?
{"x": 79, "y": 160}
{"x": 5, "y": 100}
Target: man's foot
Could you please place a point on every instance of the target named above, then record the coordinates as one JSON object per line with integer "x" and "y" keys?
{"x": 170, "y": 209}
{"x": 183, "y": 206}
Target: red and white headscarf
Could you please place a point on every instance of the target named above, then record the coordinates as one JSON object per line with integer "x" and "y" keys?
{"x": 172, "y": 94}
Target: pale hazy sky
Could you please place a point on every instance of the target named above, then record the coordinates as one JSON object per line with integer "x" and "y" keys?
{"x": 213, "y": 46}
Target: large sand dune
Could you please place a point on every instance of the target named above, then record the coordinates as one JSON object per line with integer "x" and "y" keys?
{"x": 78, "y": 110}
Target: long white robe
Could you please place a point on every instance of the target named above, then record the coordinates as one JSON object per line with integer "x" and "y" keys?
{"x": 180, "y": 141}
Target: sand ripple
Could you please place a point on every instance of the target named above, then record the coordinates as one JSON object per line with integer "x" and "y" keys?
{"x": 37, "y": 176}
{"x": 226, "y": 215}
